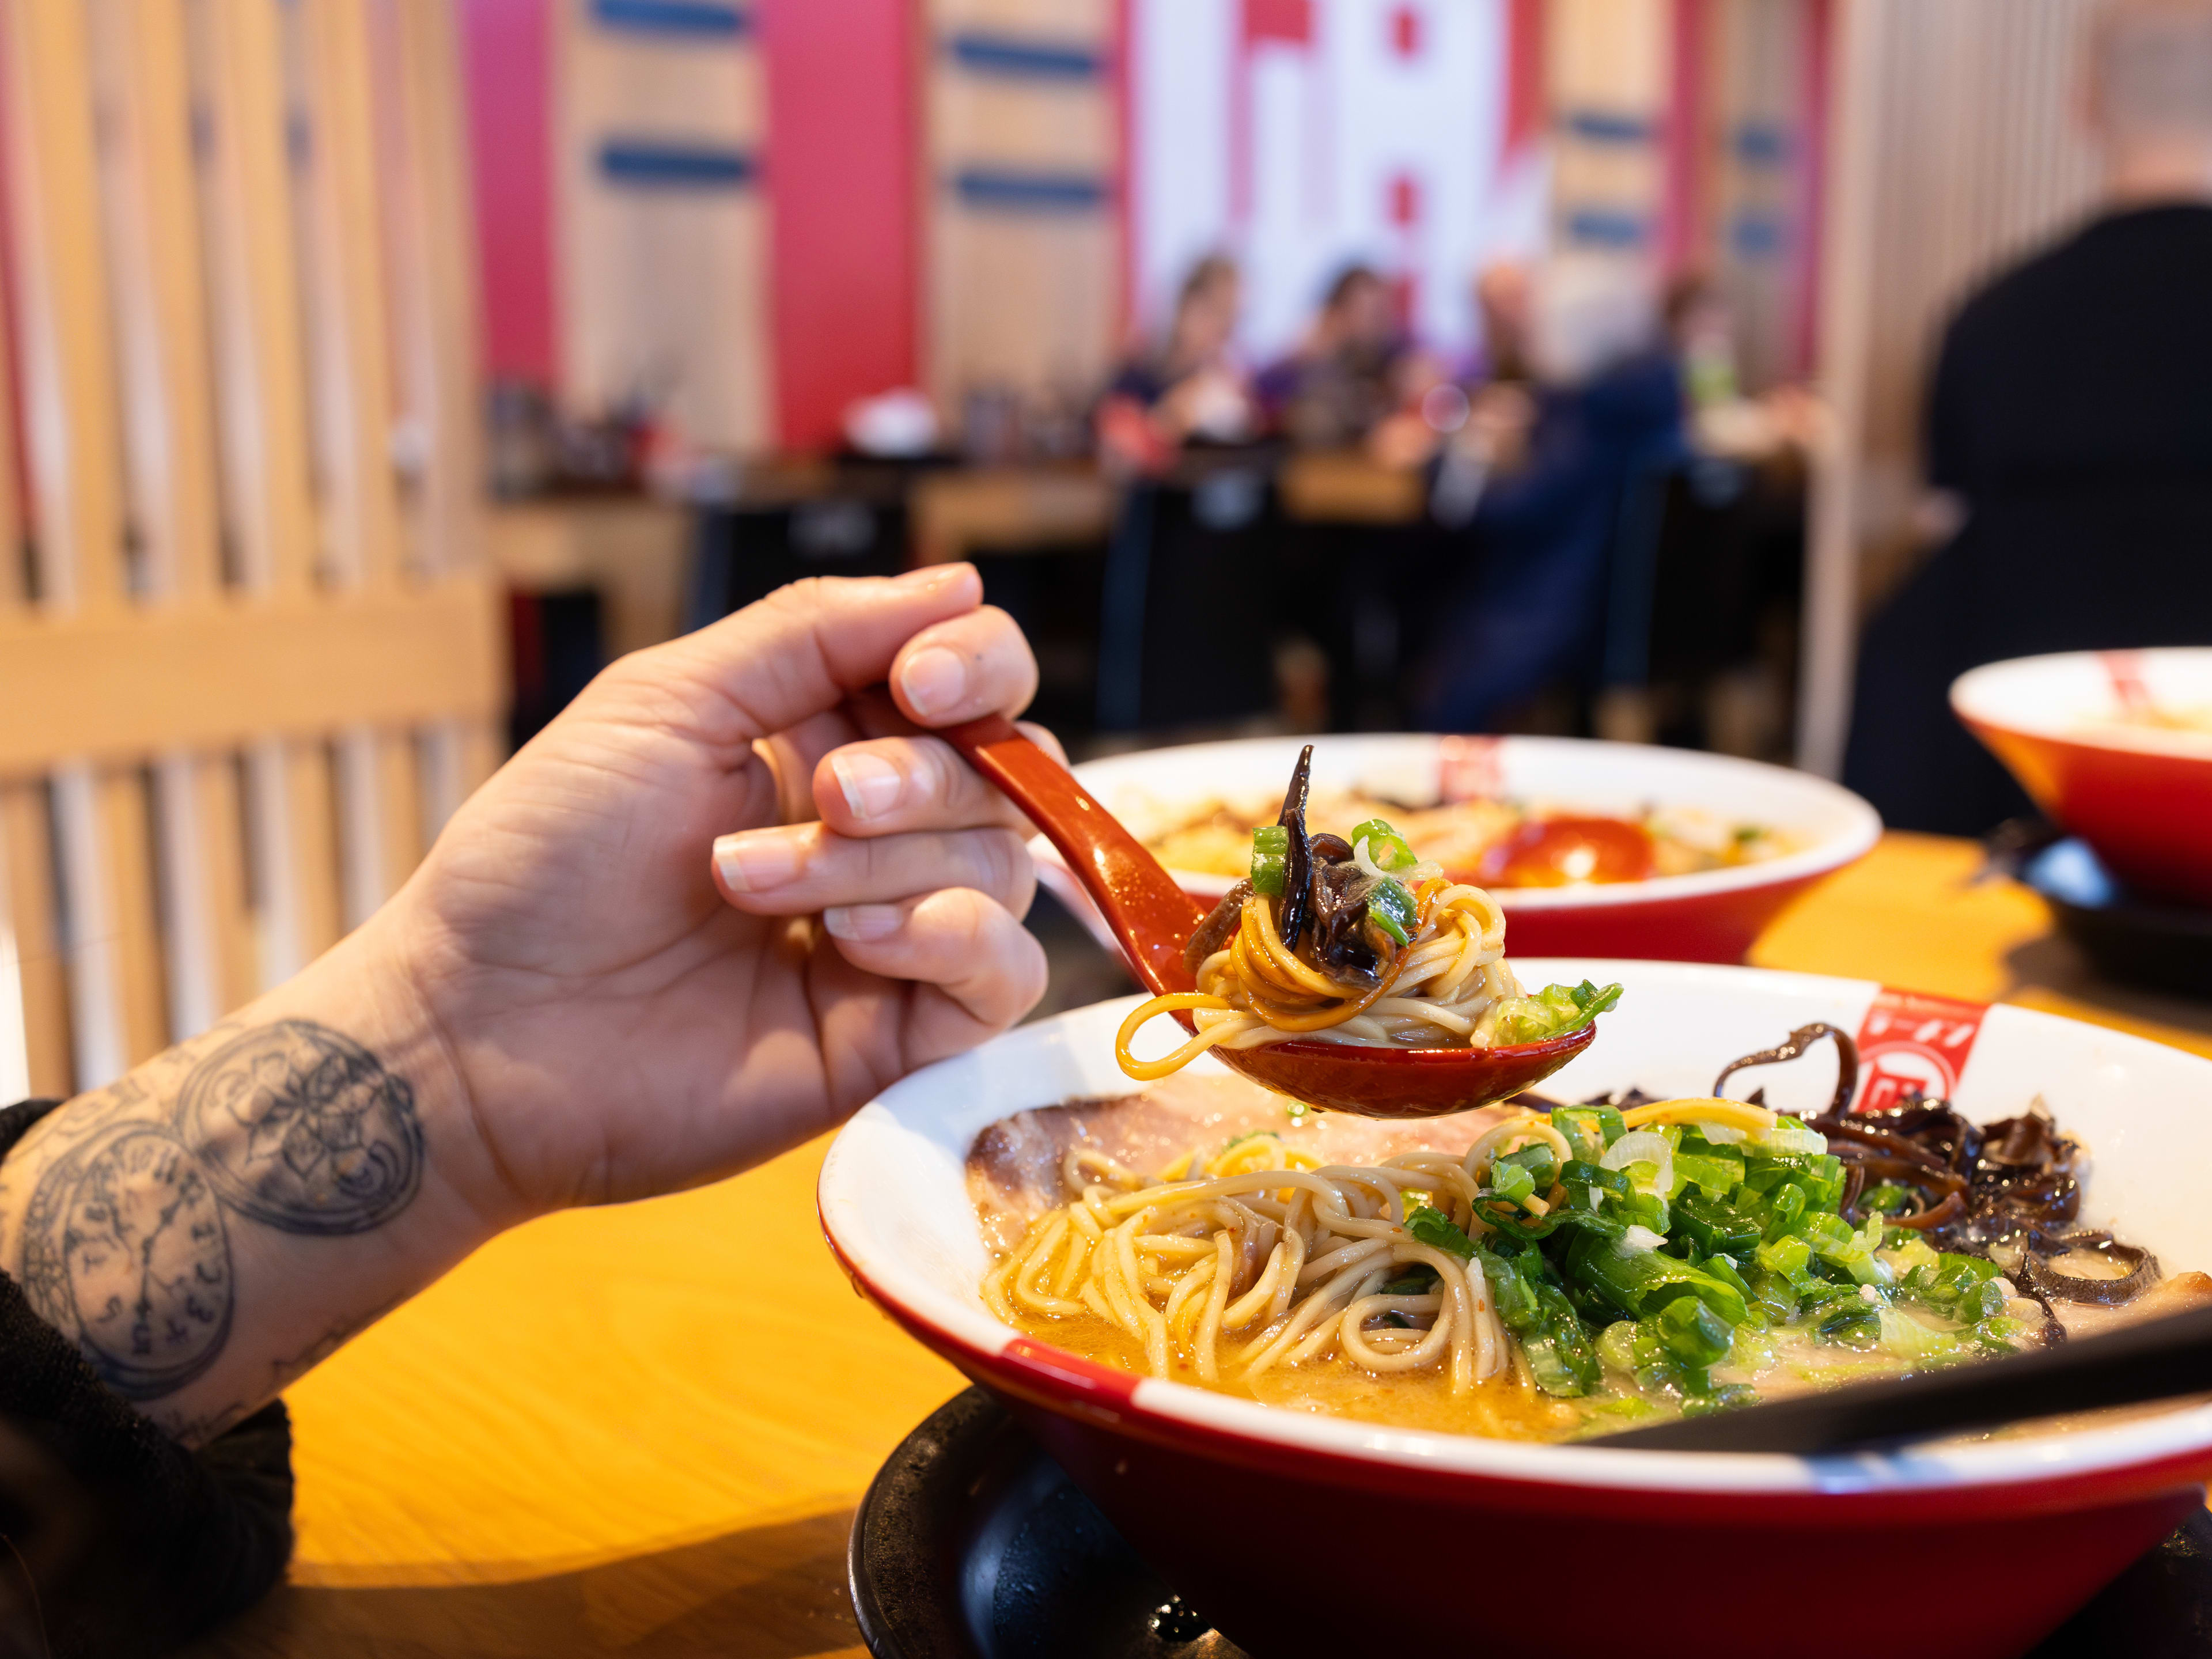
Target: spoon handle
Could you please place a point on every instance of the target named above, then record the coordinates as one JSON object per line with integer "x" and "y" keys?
{"x": 2158, "y": 1360}
{"x": 1149, "y": 913}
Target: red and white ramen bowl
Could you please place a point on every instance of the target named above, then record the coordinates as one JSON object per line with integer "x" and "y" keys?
{"x": 2080, "y": 732}
{"x": 1299, "y": 1534}
{"x": 1711, "y": 915}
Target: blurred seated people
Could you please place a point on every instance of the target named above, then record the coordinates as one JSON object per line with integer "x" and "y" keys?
{"x": 2070, "y": 420}
{"x": 1724, "y": 420}
{"x": 1190, "y": 387}
{"x": 1336, "y": 387}
{"x": 1472, "y": 425}
{"x": 1607, "y": 403}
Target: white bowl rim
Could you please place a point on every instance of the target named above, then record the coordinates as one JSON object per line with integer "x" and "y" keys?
{"x": 1857, "y": 830}
{"x": 1979, "y": 696}
{"x": 2184, "y": 1434}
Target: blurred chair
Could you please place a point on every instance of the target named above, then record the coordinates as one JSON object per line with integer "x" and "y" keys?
{"x": 251, "y": 659}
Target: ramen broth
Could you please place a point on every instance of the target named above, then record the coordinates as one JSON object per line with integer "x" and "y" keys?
{"x": 1499, "y": 843}
{"x": 1019, "y": 1174}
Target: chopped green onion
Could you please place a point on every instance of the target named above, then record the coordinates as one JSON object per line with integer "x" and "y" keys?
{"x": 1694, "y": 1334}
{"x": 1511, "y": 1181}
{"x": 1386, "y": 848}
{"x": 1555, "y": 1011}
{"x": 1271, "y": 855}
{"x": 1434, "y": 1227}
{"x": 1391, "y": 907}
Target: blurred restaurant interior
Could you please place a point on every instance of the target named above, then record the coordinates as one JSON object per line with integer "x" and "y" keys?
{"x": 377, "y": 371}
{"x": 617, "y": 314}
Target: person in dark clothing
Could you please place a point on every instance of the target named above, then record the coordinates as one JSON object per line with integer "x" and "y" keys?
{"x": 1336, "y": 387}
{"x": 1189, "y": 386}
{"x": 2071, "y": 417}
{"x": 1608, "y": 402}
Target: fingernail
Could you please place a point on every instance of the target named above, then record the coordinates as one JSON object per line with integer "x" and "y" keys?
{"x": 871, "y": 784}
{"x": 935, "y": 679}
{"x": 750, "y": 861}
{"x": 863, "y": 921}
{"x": 930, "y": 575}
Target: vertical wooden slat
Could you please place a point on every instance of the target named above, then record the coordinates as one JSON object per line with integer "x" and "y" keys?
{"x": 429, "y": 216}
{"x": 35, "y": 1025}
{"x": 152, "y": 212}
{"x": 106, "y": 865}
{"x": 350, "y": 381}
{"x": 314, "y": 833}
{"x": 254, "y": 292}
{"x": 295, "y": 856}
{"x": 69, "y": 396}
{"x": 26, "y": 863}
{"x": 430, "y": 221}
{"x": 68, "y": 368}
{"x": 350, "y": 368}
{"x": 160, "y": 305}
{"x": 238, "y": 62}
{"x": 206, "y": 920}
{"x": 399, "y": 797}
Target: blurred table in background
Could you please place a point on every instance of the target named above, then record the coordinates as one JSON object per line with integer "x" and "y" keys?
{"x": 1014, "y": 509}
{"x": 1328, "y": 486}
{"x": 642, "y": 1429}
{"x": 629, "y": 549}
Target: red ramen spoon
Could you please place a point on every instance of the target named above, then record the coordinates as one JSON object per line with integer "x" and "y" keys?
{"x": 1152, "y": 918}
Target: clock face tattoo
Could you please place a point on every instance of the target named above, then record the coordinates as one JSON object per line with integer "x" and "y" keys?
{"x": 304, "y": 1129}
{"x": 124, "y": 1248}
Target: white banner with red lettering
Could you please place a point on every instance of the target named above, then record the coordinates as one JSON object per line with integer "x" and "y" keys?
{"x": 1303, "y": 135}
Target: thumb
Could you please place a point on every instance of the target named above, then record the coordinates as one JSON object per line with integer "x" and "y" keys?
{"x": 805, "y": 649}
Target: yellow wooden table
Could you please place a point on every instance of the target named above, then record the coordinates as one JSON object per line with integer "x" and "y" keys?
{"x": 576, "y": 1445}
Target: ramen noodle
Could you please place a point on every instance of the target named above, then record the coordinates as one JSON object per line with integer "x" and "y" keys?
{"x": 1355, "y": 940}
{"x": 1542, "y": 1273}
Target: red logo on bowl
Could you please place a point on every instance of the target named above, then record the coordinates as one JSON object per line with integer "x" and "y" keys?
{"x": 1911, "y": 1042}
{"x": 1467, "y": 769}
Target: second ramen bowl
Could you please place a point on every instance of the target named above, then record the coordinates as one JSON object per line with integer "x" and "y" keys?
{"x": 2116, "y": 745}
{"x": 1299, "y": 1533}
{"x": 1712, "y": 915}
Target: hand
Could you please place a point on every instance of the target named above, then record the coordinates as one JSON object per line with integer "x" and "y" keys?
{"x": 650, "y": 970}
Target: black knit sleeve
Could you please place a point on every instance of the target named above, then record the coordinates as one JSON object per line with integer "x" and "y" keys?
{"x": 120, "y": 1542}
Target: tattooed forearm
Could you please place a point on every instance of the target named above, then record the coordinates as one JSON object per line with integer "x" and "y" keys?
{"x": 134, "y": 1200}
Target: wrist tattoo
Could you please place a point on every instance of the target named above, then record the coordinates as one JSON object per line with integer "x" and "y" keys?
{"x": 304, "y": 1129}
{"x": 125, "y": 1248}
{"x": 125, "y": 1243}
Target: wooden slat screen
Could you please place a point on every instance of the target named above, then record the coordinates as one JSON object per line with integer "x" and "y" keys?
{"x": 250, "y": 657}
{"x": 1956, "y": 146}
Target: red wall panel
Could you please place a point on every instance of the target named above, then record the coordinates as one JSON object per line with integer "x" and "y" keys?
{"x": 843, "y": 183}
{"x": 508, "y": 59}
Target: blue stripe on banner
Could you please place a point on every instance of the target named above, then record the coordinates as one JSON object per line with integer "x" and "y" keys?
{"x": 1029, "y": 192}
{"x": 1010, "y": 55}
{"x": 1757, "y": 235}
{"x": 1601, "y": 126}
{"x": 712, "y": 19}
{"x": 694, "y": 167}
{"x": 1761, "y": 144}
{"x": 1606, "y": 226}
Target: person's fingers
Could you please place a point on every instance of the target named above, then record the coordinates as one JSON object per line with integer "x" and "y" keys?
{"x": 958, "y": 944}
{"x": 974, "y": 664}
{"x": 798, "y": 653}
{"x": 793, "y": 756}
{"x": 891, "y": 785}
{"x": 793, "y": 870}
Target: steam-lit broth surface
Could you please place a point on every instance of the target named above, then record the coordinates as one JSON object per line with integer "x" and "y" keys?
{"x": 1119, "y": 1151}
